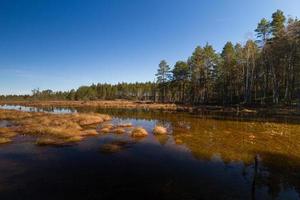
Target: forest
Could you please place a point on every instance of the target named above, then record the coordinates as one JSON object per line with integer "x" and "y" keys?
{"x": 262, "y": 71}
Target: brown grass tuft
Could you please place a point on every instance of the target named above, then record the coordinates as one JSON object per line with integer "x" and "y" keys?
{"x": 105, "y": 130}
{"x": 4, "y": 140}
{"x": 60, "y": 128}
{"x": 139, "y": 132}
{"x": 109, "y": 126}
{"x": 48, "y": 141}
{"x": 76, "y": 138}
{"x": 125, "y": 125}
{"x": 160, "y": 130}
{"x": 118, "y": 130}
{"x": 90, "y": 132}
{"x": 7, "y": 132}
{"x": 178, "y": 141}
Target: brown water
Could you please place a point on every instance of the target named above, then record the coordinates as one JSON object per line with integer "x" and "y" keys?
{"x": 201, "y": 158}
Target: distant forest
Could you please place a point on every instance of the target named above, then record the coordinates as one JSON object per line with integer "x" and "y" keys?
{"x": 261, "y": 71}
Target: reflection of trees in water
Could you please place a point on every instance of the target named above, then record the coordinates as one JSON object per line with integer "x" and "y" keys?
{"x": 279, "y": 172}
{"x": 50, "y": 109}
{"x": 277, "y": 144}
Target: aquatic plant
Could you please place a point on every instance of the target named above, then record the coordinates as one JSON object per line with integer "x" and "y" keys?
{"x": 115, "y": 146}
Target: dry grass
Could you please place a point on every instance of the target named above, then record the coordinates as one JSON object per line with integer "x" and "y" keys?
{"x": 4, "y": 140}
{"x": 44, "y": 141}
{"x": 6, "y": 135}
{"x": 76, "y": 138}
{"x": 105, "y": 130}
{"x": 207, "y": 109}
{"x": 118, "y": 130}
{"x": 89, "y": 132}
{"x": 178, "y": 141}
{"x": 139, "y": 132}
{"x": 7, "y": 132}
{"x": 47, "y": 141}
{"x": 125, "y": 125}
{"x": 107, "y": 125}
{"x": 245, "y": 110}
{"x": 100, "y": 104}
{"x": 62, "y": 128}
{"x": 160, "y": 130}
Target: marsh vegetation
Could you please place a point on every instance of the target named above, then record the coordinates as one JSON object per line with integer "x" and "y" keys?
{"x": 50, "y": 128}
{"x": 180, "y": 154}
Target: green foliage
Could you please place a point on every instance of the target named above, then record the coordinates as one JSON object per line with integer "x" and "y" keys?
{"x": 163, "y": 72}
{"x": 263, "y": 72}
{"x": 277, "y": 23}
{"x": 263, "y": 31}
{"x": 181, "y": 71}
{"x": 163, "y": 76}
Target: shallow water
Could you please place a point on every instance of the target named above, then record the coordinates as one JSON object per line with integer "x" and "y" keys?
{"x": 200, "y": 158}
{"x": 35, "y": 109}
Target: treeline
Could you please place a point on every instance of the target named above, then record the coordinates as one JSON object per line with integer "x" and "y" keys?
{"x": 261, "y": 71}
{"x": 130, "y": 91}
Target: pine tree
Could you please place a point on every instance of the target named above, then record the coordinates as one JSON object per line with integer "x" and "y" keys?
{"x": 163, "y": 76}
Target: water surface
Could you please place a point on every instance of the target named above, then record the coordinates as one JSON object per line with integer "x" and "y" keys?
{"x": 200, "y": 158}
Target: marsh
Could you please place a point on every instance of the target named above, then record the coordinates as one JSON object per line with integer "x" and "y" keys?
{"x": 200, "y": 157}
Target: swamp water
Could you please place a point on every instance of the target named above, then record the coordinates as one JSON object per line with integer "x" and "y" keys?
{"x": 200, "y": 158}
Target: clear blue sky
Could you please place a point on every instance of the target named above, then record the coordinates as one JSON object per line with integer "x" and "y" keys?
{"x": 62, "y": 44}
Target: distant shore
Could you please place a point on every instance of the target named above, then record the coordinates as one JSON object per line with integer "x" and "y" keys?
{"x": 273, "y": 111}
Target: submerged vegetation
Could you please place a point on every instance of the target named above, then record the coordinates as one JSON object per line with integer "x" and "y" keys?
{"x": 236, "y": 140}
{"x": 220, "y": 142}
{"x": 115, "y": 146}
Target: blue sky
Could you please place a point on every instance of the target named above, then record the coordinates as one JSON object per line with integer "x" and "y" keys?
{"x": 62, "y": 44}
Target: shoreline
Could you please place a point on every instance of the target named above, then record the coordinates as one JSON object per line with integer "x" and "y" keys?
{"x": 201, "y": 109}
